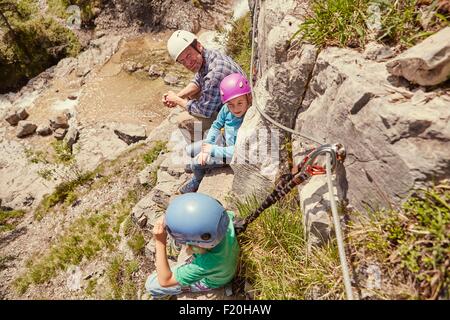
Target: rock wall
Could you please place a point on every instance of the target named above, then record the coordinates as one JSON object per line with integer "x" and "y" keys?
{"x": 396, "y": 133}
{"x": 259, "y": 160}
{"x": 161, "y": 14}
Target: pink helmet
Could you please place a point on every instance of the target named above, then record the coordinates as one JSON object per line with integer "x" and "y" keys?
{"x": 233, "y": 86}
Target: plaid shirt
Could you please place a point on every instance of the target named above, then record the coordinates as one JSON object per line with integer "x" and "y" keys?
{"x": 216, "y": 66}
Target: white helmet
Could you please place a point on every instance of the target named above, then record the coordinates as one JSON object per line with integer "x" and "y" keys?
{"x": 178, "y": 41}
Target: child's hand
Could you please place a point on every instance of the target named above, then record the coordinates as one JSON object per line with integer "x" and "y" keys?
{"x": 206, "y": 148}
{"x": 202, "y": 158}
{"x": 159, "y": 231}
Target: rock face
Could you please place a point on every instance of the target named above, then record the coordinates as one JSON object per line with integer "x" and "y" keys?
{"x": 25, "y": 128}
{"x": 169, "y": 14}
{"x": 59, "y": 122}
{"x": 427, "y": 63}
{"x": 396, "y": 139}
{"x": 13, "y": 119}
{"x": 392, "y": 145}
{"x": 44, "y": 131}
{"x": 278, "y": 92}
{"x": 171, "y": 80}
{"x": 130, "y": 133}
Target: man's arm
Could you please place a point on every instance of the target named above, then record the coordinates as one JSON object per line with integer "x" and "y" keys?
{"x": 190, "y": 90}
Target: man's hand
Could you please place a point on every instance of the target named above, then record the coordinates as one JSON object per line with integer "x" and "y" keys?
{"x": 173, "y": 98}
{"x": 159, "y": 231}
{"x": 166, "y": 102}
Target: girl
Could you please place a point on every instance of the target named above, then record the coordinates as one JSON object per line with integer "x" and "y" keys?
{"x": 216, "y": 151}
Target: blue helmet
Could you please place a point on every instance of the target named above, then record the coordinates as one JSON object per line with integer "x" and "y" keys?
{"x": 197, "y": 219}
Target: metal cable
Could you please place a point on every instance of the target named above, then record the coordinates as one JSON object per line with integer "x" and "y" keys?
{"x": 337, "y": 228}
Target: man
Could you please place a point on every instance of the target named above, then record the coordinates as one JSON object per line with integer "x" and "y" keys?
{"x": 201, "y": 97}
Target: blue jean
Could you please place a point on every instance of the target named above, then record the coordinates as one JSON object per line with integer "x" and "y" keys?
{"x": 157, "y": 291}
{"x": 199, "y": 170}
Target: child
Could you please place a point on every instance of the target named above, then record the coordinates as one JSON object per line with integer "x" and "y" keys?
{"x": 203, "y": 224}
{"x": 235, "y": 93}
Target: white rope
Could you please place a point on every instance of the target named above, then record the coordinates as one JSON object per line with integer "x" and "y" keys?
{"x": 337, "y": 229}
{"x": 337, "y": 226}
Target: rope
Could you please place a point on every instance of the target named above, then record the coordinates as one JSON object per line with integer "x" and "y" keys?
{"x": 337, "y": 229}
{"x": 286, "y": 186}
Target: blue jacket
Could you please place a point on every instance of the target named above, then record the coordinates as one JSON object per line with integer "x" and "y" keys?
{"x": 225, "y": 119}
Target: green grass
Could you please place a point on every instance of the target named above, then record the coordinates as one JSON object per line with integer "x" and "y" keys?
{"x": 347, "y": 23}
{"x": 9, "y": 219}
{"x": 239, "y": 42}
{"x": 415, "y": 241}
{"x": 36, "y": 156}
{"x": 411, "y": 246}
{"x": 120, "y": 275}
{"x": 91, "y": 287}
{"x": 153, "y": 153}
{"x": 63, "y": 154}
{"x": 137, "y": 243}
{"x": 274, "y": 256}
{"x": 83, "y": 240}
{"x": 63, "y": 192}
{"x": 46, "y": 174}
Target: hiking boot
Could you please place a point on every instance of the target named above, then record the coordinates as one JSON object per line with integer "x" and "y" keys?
{"x": 188, "y": 168}
{"x": 191, "y": 186}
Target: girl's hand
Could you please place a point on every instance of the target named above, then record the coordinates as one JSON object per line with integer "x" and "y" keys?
{"x": 159, "y": 231}
{"x": 202, "y": 158}
{"x": 206, "y": 148}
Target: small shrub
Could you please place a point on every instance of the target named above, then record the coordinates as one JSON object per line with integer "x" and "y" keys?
{"x": 349, "y": 23}
{"x": 137, "y": 243}
{"x": 239, "y": 42}
{"x": 9, "y": 219}
{"x": 120, "y": 276}
{"x": 154, "y": 152}
{"x": 411, "y": 246}
{"x": 62, "y": 192}
{"x": 62, "y": 152}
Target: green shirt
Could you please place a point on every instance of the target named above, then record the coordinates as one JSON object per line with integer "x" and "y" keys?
{"x": 216, "y": 267}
